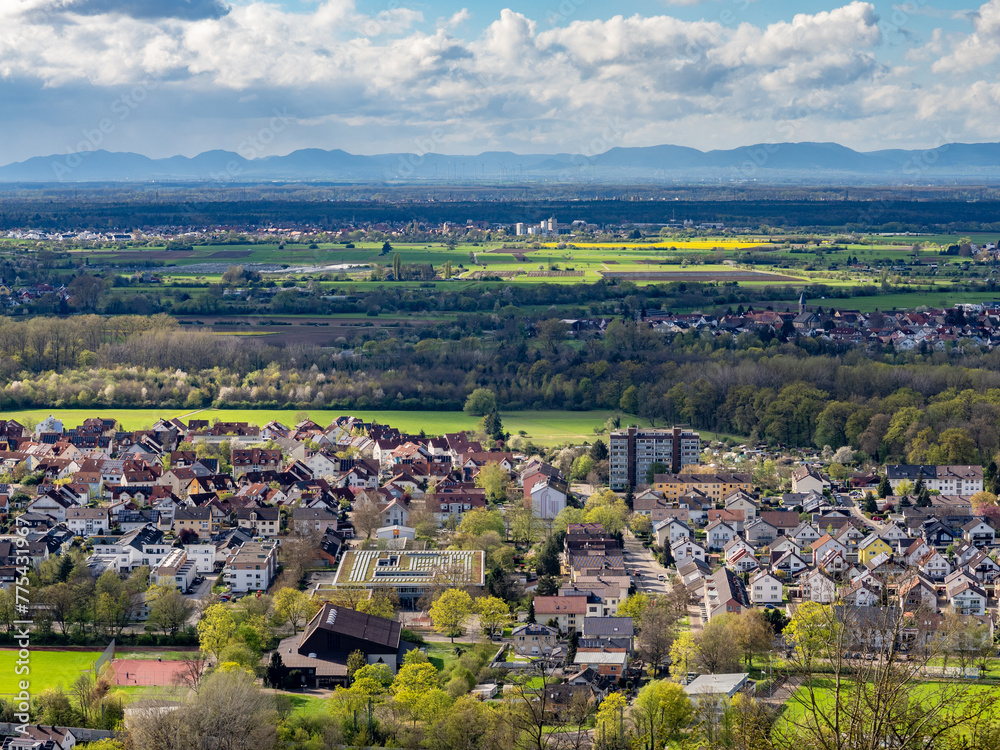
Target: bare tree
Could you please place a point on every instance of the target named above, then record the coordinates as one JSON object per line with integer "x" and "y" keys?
{"x": 366, "y": 516}
{"x": 879, "y": 699}
{"x": 659, "y": 628}
{"x": 228, "y": 712}
{"x": 717, "y": 649}
{"x": 297, "y": 551}
{"x": 192, "y": 669}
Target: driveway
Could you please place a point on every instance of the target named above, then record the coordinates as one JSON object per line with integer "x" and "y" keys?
{"x": 203, "y": 589}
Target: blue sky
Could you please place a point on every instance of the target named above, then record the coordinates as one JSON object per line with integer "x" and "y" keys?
{"x": 165, "y": 77}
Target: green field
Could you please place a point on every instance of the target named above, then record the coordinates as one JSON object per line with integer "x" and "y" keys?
{"x": 542, "y": 427}
{"x": 889, "y": 302}
{"x": 307, "y": 705}
{"x": 515, "y": 260}
{"x": 796, "y": 706}
{"x": 47, "y": 669}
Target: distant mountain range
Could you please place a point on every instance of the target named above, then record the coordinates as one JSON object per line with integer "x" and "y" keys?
{"x": 784, "y": 162}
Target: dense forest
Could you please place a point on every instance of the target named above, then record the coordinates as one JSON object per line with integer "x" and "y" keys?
{"x": 253, "y": 207}
{"x": 940, "y": 406}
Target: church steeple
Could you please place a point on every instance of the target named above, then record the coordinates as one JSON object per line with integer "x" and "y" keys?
{"x": 802, "y": 303}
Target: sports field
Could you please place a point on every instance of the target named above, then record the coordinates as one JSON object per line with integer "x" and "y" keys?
{"x": 47, "y": 669}
{"x": 541, "y": 427}
{"x": 139, "y": 672}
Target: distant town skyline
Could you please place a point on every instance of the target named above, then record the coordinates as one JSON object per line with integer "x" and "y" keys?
{"x": 166, "y": 77}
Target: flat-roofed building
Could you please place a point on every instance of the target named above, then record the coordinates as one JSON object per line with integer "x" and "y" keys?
{"x": 410, "y": 573}
{"x": 252, "y": 567}
{"x": 633, "y": 451}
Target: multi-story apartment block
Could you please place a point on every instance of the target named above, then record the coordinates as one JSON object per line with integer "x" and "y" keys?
{"x": 634, "y": 450}
{"x": 252, "y": 567}
{"x": 948, "y": 480}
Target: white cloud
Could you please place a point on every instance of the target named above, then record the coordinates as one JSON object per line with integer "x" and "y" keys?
{"x": 975, "y": 50}
{"x": 381, "y": 82}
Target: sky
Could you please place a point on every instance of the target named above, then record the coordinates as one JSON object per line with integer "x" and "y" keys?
{"x": 167, "y": 77}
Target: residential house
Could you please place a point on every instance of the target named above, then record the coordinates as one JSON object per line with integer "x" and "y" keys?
{"x": 743, "y": 561}
{"x": 396, "y": 512}
{"x": 718, "y": 534}
{"x": 766, "y": 588}
{"x": 567, "y": 612}
{"x": 808, "y": 479}
{"x": 610, "y": 632}
{"x": 87, "y": 521}
{"x": 790, "y": 563}
{"x": 785, "y": 521}
{"x": 684, "y": 550}
{"x": 725, "y": 592}
{"x": 760, "y": 533}
{"x": 917, "y": 593}
{"x": 983, "y": 567}
{"x": 968, "y": 599}
{"x": 607, "y": 663}
{"x": 254, "y": 459}
{"x": 870, "y": 547}
{"x": 934, "y": 565}
{"x": 978, "y": 533}
{"x": 825, "y": 544}
{"x": 198, "y": 520}
{"x": 259, "y": 522}
{"x": 670, "y": 531}
{"x": 938, "y": 534}
{"x": 818, "y": 587}
{"x": 861, "y": 593}
{"x": 309, "y": 520}
{"x": 742, "y": 501}
{"x": 805, "y": 534}
{"x": 534, "y": 639}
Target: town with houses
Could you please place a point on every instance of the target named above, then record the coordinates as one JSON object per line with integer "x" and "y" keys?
{"x": 910, "y": 538}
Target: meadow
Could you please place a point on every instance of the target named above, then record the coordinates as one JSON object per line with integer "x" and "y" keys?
{"x": 796, "y": 706}
{"x": 541, "y": 427}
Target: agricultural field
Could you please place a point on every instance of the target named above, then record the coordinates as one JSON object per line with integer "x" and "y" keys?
{"x": 48, "y": 669}
{"x": 541, "y": 427}
{"x": 565, "y": 262}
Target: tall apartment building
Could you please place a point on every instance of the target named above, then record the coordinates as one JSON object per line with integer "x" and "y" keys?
{"x": 634, "y": 450}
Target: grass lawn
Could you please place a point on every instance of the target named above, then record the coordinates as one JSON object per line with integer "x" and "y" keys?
{"x": 165, "y": 655}
{"x": 443, "y": 655}
{"x": 796, "y": 706}
{"x": 307, "y": 705}
{"x": 132, "y": 693}
{"x": 47, "y": 669}
{"x": 542, "y": 427}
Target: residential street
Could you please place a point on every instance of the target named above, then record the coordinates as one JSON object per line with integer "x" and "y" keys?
{"x": 852, "y": 507}
{"x": 640, "y": 560}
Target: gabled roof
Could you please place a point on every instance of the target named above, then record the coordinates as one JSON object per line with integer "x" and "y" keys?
{"x": 608, "y": 626}
{"x": 335, "y": 619}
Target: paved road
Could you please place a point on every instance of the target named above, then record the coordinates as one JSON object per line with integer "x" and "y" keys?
{"x": 852, "y": 507}
{"x": 641, "y": 560}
